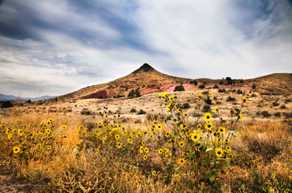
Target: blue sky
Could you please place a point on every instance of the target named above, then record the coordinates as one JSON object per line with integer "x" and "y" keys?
{"x": 57, "y": 46}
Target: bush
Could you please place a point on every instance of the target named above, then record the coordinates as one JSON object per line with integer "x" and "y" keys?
{"x": 179, "y": 88}
{"x": 208, "y": 100}
{"x": 239, "y": 91}
{"x": 141, "y": 112}
{"x": 85, "y": 111}
{"x": 275, "y": 104}
{"x": 201, "y": 86}
{"x": 119, "y": 96}
{"x": 277, "y": 114}
{"x": 185, "y": 106}
{"x": 133, "y": 110}
{"x": 230, "y": 99}
{"x": 215, "y": 86}
{"x": 266, "y": 114}
{"x": 253, "y": 86}
{"x": 229, "y": 80}
{"x": 6, "y": 104}
{"x": 206, "y": 108}
{"x": 194, "y": 82}
{"x": 134, "y": 93}
{"x": 222, "y": 90}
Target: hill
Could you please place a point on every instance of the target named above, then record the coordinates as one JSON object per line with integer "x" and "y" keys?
{"x": 146, "y": 80}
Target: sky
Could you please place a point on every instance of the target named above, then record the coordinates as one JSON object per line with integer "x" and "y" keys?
{"x": 53, "y": 47}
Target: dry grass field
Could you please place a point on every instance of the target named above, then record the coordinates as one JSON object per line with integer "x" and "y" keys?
{"x": 189, "y": 141}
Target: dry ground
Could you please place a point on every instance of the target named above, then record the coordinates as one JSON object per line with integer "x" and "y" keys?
{"x": 262, "y": 154}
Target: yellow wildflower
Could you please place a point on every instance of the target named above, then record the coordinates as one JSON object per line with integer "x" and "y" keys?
{"x": 16, "y": 149}
{"x": 195, "y": 136}
{"x": 181, "y": 144}
{"x": 181, "y": 161}
{"x": 117, "y": 137}
{"x": 209, "y": 126}
{"x": 154, "y": 173}
{"x": 221, "y": 130}
{"x": 219, "y": 152}
{"x": 20, "y": 132}
{"x": 207, "y": 116}
{"x": 119, "y": 145}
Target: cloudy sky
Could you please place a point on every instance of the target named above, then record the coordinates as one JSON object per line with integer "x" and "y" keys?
{"x": 51, "y": 47}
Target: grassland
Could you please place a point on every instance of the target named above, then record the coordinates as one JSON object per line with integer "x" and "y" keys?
{"x": 112, "y": 146}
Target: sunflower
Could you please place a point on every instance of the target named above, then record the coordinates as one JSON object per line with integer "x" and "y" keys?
{"x": 167, "y": 134}
{"x": 49, "y": 121}
{"x": 154, "y": 173}
{"x": 222, "y": 130}
{"x": 16, "y": 149}
{"x": 181, "y": 161}
{"x": 228, "y": 149}
{"x": 118, "y": 145}
{"x": 172, "y": 97}
{"x": 159, "y": 126}
{"x": 181, "y": 144}
{"x": 140, "y": 134}
{"x": 195, "y": 136}
{"x": 20, "y": 132}
{"x": 160, "y": 151}
{"x": 207, "y": 116}
{"x": 117, "y": 137}
{"x": 169, "y": 107}
{"x": 215, "y": 110}
{"x": 182, "y": 126}
{"x": 219, "y": 152}
{"x": 209, "y": 126}
{"x": 9, "y": 136}
{"x": 7, "y": 131}
{"x": 141, "y": 149}
{"x": 146, "y": 150}
{"x": 145, "y": 157}
{"x": 48, "y": 131}
{"x": 130, "y": 140}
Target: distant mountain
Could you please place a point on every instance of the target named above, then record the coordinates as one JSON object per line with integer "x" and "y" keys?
{"x": 147, "y": 80}
{"x": 9, "y": 98}
{"x": 16, "y": 98}
{"x": 41, "y": 98}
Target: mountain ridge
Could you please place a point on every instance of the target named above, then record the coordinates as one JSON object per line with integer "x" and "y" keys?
{"x": 147, "y": 79}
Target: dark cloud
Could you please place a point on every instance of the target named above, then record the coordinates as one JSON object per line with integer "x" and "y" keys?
{"x": 261, "y": 19}
{"x": 119, "y": 18}
{"x": 23, "y": 20}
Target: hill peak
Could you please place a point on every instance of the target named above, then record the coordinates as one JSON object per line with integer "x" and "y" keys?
{"x": 145, "y": 68}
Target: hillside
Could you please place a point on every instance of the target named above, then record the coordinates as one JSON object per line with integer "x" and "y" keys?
{"x": 146, "y": 80}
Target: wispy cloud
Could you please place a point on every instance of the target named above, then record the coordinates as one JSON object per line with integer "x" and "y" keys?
{"x": 53, "y": 47}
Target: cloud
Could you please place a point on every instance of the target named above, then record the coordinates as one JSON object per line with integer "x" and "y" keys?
{"x": 54, "y": 47}
{"x": 212, "y": 40}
